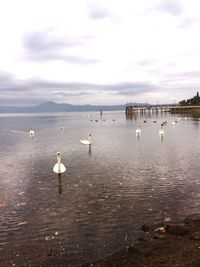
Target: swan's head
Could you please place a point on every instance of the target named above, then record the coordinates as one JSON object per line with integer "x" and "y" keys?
{"x": 58, "y": 155}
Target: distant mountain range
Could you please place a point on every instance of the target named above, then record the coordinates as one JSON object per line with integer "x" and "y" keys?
{"x": 55, "y": 107}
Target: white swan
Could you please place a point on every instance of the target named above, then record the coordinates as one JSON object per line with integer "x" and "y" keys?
{"x": 59, "y": 167}
{"x": 31, "y": 133}
{"x": 161, "y": 132}
{"x": 138, "y": 130}
{"x": 174, "y": 122}
{"x": 87, "y": 141}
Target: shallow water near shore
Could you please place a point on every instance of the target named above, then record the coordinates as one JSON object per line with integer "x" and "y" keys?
{"x": 98, "y": 205}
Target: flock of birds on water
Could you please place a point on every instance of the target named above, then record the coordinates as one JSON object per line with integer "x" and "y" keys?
{"x": 59, "y": 167}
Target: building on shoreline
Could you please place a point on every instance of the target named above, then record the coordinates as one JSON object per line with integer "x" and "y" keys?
{"x": 191, "y": 102}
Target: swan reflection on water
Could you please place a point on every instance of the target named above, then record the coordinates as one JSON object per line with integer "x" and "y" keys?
{"x": 60, "y": 190}
{"x": 161, "y": 138}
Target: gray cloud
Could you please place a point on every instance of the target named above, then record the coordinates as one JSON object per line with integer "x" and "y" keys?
{"x": 22, "y": 91}
{"x": 8, "y": 83}
{"x": 180, "y": 77}
{"x": 187, "y": 23}
{"x": 170, "y": 6}
{"x": 64, "y": 94}
{"x": 147, "y": 62}
{"x": 117, "y": 87}
{"x": 98, "y": 12}
{"x": 44, "y": 46}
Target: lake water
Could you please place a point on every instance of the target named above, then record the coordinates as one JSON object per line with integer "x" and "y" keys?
{"x": 104, "y": 197}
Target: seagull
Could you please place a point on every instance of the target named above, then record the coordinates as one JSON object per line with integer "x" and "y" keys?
{"x": 87, "y": 141}
{"x": 59, "y": 168}
{"x": 31, "y": 133}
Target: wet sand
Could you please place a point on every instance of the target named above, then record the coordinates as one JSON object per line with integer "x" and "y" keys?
{"x": 169, "y": 245}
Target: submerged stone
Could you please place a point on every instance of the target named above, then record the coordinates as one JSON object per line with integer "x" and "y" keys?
{"x": 177, "y": 229}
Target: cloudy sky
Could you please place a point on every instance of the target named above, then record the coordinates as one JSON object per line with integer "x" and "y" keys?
{"x": 99, "y": 51}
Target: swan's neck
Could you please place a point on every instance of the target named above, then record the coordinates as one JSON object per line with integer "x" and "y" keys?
{"x": 89, "y": 138}
{"x": 59, "y": 165}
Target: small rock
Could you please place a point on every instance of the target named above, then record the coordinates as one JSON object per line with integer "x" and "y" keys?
{"x": 168, "y": 219}
{"x": 49, "y": 252}
{"x": 143, "y": 237}
{"x": 145, "y": 228}
{"x": 195, "y": 236}
{"x": 22, "y": 223}
{"x": 2, "y": 205}
{"x": 160, "y": 231}
{"x": 158, "y": 236}
{"x": 132, "y": 249}
{"x": 177, "y": 229}
{"x": 189, "y": 220}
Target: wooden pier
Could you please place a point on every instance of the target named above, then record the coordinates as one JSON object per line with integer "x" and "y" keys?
{"x": 130, "y": 109}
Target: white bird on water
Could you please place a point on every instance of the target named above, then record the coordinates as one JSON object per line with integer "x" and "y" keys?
{"x": 31, "y": 133}
{"x": 87, "y": 141}
{"x": 161, "y": 132}
{"x": 138, "y": 131}
{"x": 59, "y": 168}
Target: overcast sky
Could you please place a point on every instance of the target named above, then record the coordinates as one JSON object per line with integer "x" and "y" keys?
{"x": 99, "y": 51}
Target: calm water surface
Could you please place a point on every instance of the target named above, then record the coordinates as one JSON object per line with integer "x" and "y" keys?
{"x": 101, "y": 201}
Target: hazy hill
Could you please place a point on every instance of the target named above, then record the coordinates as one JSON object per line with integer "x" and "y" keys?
{"x": 55, "y": 107}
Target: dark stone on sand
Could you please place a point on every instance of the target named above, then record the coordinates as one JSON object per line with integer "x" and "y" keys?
{"x": 195, "y": 236}
{"x": 132, "y": 249}
{"x": 145, "y": 228}
{"x": 49, "y": 252}
{"x": 189, "y": 220}
{"x": 158, "y": 236}
{"x": 144, "y": 236}
{"x": 160, "y": 230}
{"x": 164, "y": 247}
{"x": 177, "y": 229}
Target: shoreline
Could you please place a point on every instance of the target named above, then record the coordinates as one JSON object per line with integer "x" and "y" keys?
{"x": 166, "y": 244}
